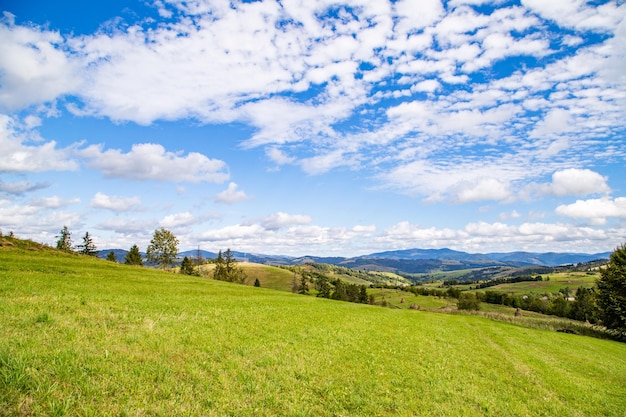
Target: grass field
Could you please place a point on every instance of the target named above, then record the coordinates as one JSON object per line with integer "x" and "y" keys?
{"x": 86, "y": 337}
{"x": 571, "y": 280}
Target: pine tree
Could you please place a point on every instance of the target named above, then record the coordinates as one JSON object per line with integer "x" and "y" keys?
{"x": 226, "y": 268}
{"x": 303, "y": 288}
{"x": 133, "y": 257}
{"x": 65, "y": 240}
{"x": 111, "y": 257}
{"x": 87, "y": 247}
{"x": 363, "y": 298}
{"x": 186, "y": 267}
{"x": 257, "y": 283}
{"x": 323, "y": 286}
{"x": 611, "y": 293}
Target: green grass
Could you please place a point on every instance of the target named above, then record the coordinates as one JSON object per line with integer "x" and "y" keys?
{"x": 85, "y": 337}
{"x": 571, "y": 280}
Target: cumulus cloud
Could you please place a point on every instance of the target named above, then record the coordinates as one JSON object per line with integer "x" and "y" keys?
{"x": 115, "y": 203}
{"x": 569, "y": 182}
{"x": 34, "y": 68}
{"x": 19, "y": 156}
{"x": 500, "y": 237}
{"x": 279, "y": 220}
{"x": 483, "y": 189}
{"x": 150, "y": 161}
{"x": 595, "y": 210}
{"x": 231, "y": 195}
{"x": 178, "y": 220}
{"x": 575, "y": 181}
{"x": 55, "y": 202}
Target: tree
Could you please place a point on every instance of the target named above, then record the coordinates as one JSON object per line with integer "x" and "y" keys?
{"x": 584, "y": 307}
{"x": 133, "y": 257}
{"x": 111, "y": 257}
{"x": 64, "y": 241}
{"x": 468, "y": 301}
{"x": 340, "y": 291}
{"x": 323, "y": 286}
{"x": 363, "y": 298}
{"x": 186, "y": 267}
{"x": 611, "y": 294}
{"x": 226, "y": 268}
{"x": 163, "y": 248}
{"x": 303, "y": 288}
{"x": 87, "y": 247}
{"x": 257, "y": 283}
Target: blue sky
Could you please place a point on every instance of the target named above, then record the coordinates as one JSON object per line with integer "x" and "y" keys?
{"x": 319, "y": 127}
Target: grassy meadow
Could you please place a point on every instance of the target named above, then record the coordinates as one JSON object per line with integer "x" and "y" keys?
{"x": 86, "y": 337}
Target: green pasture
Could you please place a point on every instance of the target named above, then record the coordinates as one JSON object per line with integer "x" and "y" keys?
{"x": 571, "y": 280}
{"x": 87, "y": 337}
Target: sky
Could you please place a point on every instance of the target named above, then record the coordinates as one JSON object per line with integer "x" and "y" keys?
{"x": 329, "y": 128}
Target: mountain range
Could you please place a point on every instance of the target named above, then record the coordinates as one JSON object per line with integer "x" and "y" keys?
{"x": 407, "y": 260}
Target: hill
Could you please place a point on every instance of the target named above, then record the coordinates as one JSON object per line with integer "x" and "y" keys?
{"x": 82, "y": 336}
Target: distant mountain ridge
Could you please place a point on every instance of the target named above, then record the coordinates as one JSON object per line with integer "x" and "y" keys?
{"x": 407, "y": 260}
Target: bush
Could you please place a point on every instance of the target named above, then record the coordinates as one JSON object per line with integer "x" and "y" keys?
{"x": 468, "y": 301}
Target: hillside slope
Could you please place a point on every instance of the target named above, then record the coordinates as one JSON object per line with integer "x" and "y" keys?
{"x": 82, "y": 336}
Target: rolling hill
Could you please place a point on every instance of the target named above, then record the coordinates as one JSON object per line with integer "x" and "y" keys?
{"x": 82, "y": 336}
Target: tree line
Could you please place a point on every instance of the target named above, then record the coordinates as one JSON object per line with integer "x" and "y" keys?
{"x": 162, "y": 251}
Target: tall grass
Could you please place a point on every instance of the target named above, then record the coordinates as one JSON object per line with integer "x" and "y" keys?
{"x": 84, "y": 337}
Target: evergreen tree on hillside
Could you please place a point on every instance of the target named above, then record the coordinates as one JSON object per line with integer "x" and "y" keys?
{"x": 340, "y": 291}
{"x": 87, "y": 247}
{"x": 303, "y": 287}
{"x": 111, "y": 257}
{"x": 611, "y": 293}
{"x": 323, "y": 286}
{"x": 133, "y": 257}
{"x": 186, "y": 267}
{"x": 64, "y": 241}
{"x": 257, "y": 283}
{"x": 226, "y": 268}
{"x": 163, "y": 248}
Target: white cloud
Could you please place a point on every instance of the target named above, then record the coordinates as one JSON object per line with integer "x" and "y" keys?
{"x": 20, "y": 187}
{"x": 20, "y": 157}
{"x": 178, "y": 220}
{"x": 500, "y": 237}
{"x": 280, "y": 220}
{"x": 36, "y": 222}
{"x": 365, "y": 229}
{"x": 115, "y": 203}
{"x": 150, "y": 161}
{"x": 231, "y": 195}
{"x": 595, "y": 210}
{"x": 278, "y": 156}
{"x": 578, "y": 14}
{"x": 579, "y": 182}
{"x": 55, "y": 202}
{"x": 128, "y": 226}
{"x": 483, "y": 189}
{"x": 33, "y": 68}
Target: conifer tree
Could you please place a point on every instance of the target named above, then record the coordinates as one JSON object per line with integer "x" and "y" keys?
{"x": 111, "y": 257}
{"x": 65, "y": 240}
{"x": 611, "y": 293}
{"x": 133, "y": 257}
{"x": 87, "y": 247}
{"x": 257, "y": 283}
{"x": 226, "y": 268}
{"x": 186, "y": 267}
